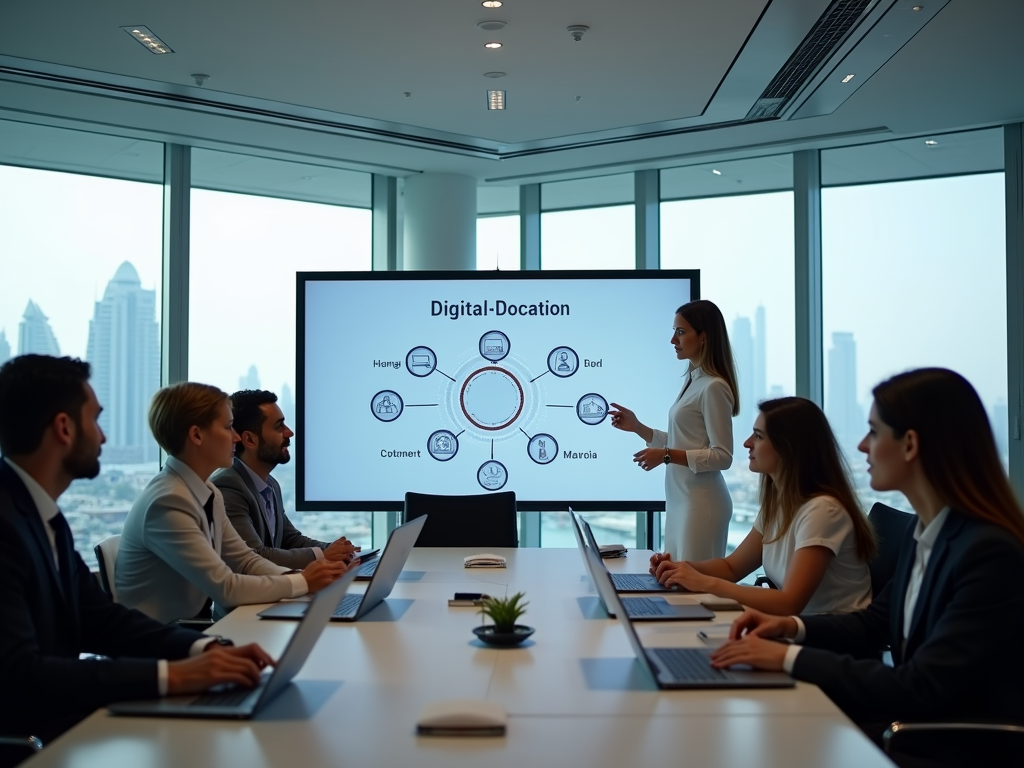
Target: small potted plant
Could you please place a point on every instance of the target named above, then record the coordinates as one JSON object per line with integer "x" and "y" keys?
{"x": 504, "y": 612}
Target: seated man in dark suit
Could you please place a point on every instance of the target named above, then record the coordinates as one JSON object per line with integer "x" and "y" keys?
{"x": 51, "y": 607}
{"x": 252, "y": 497}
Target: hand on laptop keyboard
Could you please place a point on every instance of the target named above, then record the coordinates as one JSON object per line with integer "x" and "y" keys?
{"x": 218, "y": 665}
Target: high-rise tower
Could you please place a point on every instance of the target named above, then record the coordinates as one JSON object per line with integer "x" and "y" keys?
{"x": 124, "y": 350}
{"x": 841, "y": 406}
{"x": 34, "y": 333}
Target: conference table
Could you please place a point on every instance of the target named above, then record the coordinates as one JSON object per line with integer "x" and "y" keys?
{"x": 574, "y": 692}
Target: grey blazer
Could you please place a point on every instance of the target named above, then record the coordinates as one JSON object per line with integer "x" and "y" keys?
{"x": 287, "y": 547}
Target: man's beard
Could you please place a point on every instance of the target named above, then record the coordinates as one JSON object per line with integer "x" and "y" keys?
{"x": 81, "y": 463}
{"x": 268, "y": 455}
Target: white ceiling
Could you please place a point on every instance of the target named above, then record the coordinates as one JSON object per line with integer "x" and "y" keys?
{"x": 642, "y": 62}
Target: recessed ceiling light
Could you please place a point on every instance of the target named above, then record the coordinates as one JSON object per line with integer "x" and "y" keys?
{"x": 491, "y": 3}
{"x": 716, "y": 172}
{"x": 848, "y": 78}
{"x": 931, "y": 143}
{"x": 494, "y": 75}
{"x": 148, "y": 40}
{"x": 492, "y": 45}
{"x": 918, "y": 7}
{"x": 495, "y": 99}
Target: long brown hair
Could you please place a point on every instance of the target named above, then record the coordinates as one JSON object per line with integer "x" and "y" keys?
{"x": 810, "y": 465}
{"x": 957, "y": 449}
{"x": 716, "y": 353}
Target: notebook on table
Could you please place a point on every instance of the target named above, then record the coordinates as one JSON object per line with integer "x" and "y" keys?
{"x": 236, "y": 702}
{"x": 389, "y": 568}
{"x": 653, "y": 608}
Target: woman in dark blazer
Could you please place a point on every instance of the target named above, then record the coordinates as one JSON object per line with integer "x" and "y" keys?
{"x": 953, "y": 615}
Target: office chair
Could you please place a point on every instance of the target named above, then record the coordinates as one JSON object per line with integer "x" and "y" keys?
{"x": 106, "y": 556}
{"x": 483, "y": 521}
{"x": 945, "y": 745}
{"x": 890, "y": 527}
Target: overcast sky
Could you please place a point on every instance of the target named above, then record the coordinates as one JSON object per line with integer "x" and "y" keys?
{"x": 916, "y": 270}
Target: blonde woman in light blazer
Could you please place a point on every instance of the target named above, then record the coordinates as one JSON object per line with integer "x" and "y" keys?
{"x": 178, "y": 547}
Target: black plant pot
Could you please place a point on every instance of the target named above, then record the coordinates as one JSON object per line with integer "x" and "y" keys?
{"x": 490, "y": 635}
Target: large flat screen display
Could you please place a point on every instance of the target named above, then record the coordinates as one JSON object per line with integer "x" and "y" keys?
{"x": 460, "y": 383}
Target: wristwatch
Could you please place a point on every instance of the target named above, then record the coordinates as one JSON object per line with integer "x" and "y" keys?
{"x": 667, "y": 459}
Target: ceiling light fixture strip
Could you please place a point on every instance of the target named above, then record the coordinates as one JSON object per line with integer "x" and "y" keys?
{"x": 145, "y": 37}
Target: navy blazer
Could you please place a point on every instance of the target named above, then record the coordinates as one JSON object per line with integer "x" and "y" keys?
{"x": 44, "y": 687}
{"x": 962, "y": 658}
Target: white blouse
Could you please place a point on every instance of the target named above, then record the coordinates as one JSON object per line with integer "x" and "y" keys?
{"x": 822, "y": 522}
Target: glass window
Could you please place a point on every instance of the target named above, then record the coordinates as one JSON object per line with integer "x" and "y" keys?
{"x": 743, "y": 247}
{"x": 591, "y": 238}
{"x": 245, "y": 251}
{"x": 914, "y": 274}
{"x": 80, "y": 271}
{"x": 497, "y": 243}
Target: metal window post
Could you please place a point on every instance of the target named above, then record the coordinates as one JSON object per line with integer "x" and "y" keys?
{"x": 647, "y": 203}
{"x": 385, "y": 222}
{"x": 529, "y": 227}
{"x": 807, "y": 252}
{"x": 174, "y": 312}
{"x": 1013, "y": 164}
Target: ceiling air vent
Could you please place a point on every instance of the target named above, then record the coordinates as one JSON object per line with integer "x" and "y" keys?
{"x": 823, "y": 39}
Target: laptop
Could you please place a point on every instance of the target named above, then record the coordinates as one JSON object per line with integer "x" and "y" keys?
{"x": 389, "y": 568}
{"x": 369, "y": 561}
{"x": 625, "y": 582}
{"x": 240, "y": 703}
{"x": 686, "y": 667}
{"x": 652, "y": 608}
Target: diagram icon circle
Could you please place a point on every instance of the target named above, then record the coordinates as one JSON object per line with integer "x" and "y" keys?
{"x": 542, "y": 448}
{"x": 492, "y": 398}
{"x": 492, "y": 475}
{"x": 443, "y": 445}
{"x": 494, "y": 346}
{"x": 592, "y": 408}
{"x": 563, "y": 362}
{"x": 421, "y": 361}
{"x": 387, "y": 405}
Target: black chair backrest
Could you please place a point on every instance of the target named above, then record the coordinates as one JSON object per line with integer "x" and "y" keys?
{"x": 890, "y": 527}
{"x": 482, "y": 521}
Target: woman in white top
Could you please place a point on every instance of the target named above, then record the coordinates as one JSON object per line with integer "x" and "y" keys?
{"x": 810, "y": 534}
{"x": 698, "y": 443}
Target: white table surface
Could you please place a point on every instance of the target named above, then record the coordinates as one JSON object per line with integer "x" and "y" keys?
{"x": 575, "y": 693}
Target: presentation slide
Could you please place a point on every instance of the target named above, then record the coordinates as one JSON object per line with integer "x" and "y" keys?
{"x": 461, "y": 383}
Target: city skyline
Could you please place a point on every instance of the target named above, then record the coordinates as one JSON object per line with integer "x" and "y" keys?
{"x": 124, "y": 351}
{"x": 35, "y": 336}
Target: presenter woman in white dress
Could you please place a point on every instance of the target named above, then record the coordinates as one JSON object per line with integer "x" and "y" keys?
{"x": 698, "y": 444}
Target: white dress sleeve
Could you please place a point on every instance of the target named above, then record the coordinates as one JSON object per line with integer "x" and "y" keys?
{"x": 716, "y": 406}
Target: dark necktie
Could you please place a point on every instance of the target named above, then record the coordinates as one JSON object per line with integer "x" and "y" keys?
{"x": 65, "y": 553}
{"x": 268, "y": 504}
{"x": 208, "y": 508}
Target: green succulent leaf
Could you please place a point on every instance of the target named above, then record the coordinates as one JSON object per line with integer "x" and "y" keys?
{"x": 504, "y": 612}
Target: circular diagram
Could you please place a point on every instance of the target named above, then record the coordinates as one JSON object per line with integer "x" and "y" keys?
{"x": 494, "y": 346}
{"x": 492, "y": 475}
{"x": 421, "y": 361}
{"x": 387, "y": 405}
{"x": 542, "y": 448}
{"x": 492, "y": 398}
{"x": 592, "y": 408}
{"x": 563, "y": 362}
{"x": 443, "y": 445}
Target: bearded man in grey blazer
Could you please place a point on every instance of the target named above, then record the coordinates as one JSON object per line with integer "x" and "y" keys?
{"x": 252, "y": 497}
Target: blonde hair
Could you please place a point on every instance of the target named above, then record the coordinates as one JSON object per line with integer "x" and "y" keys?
{"x": 179, "y": 407}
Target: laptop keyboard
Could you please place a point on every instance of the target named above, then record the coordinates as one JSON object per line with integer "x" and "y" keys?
{"x": 368, "y": 569}
{"x": 231, "y": 698}
{"x": 634, "y": 581}
{"x": 643, "y": 606}
{"x": 348, "y": 605}
{"x": 688, "y": 665}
